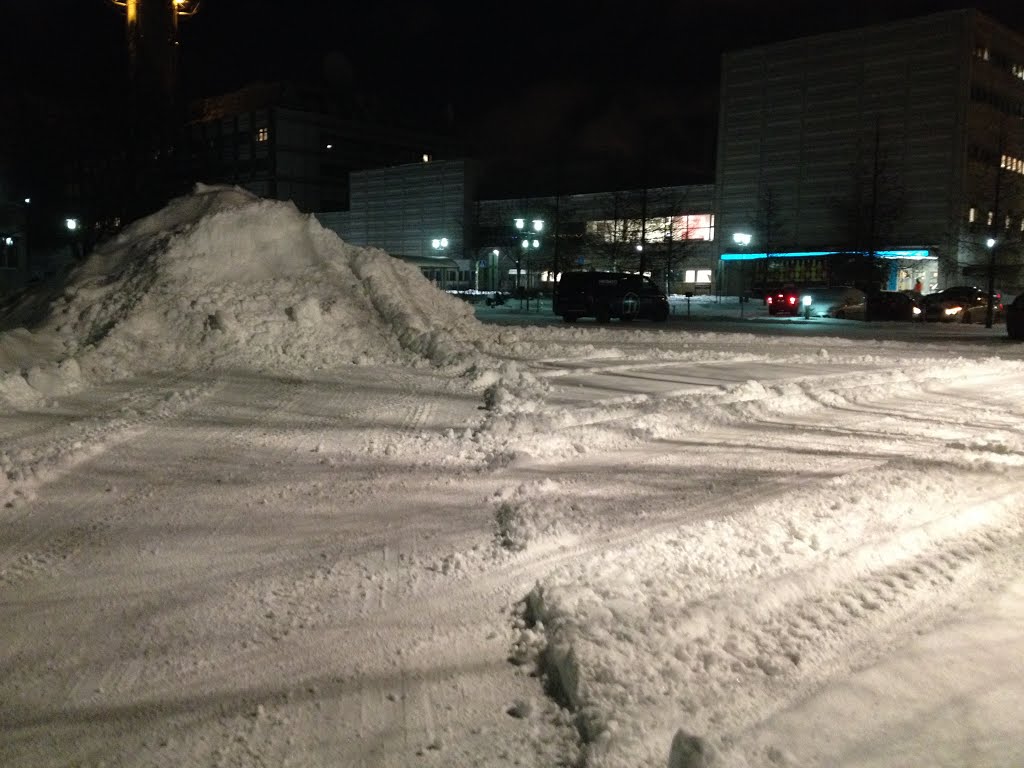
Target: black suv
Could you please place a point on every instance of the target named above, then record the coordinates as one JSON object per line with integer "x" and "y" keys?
{"x": 604, "y": 295}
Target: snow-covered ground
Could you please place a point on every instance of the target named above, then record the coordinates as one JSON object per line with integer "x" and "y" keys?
{"x": 271, "y": 499}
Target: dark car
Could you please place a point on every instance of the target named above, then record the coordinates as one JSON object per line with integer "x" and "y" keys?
{"x": 893, "y": 305}
{"x": 961, "y": 304}
{"x": 604, "y": 295}
{"x": 783, "y": 301}
{"x": 1015, "y": 318}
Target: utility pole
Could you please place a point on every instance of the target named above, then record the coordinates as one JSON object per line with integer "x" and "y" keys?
{"x": 156, "y": 109}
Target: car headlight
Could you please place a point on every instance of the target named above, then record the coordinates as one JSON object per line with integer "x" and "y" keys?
{"x": 950, "y": 311}
{"x": 807, "y": 301}
{"x": 917, "y": 310}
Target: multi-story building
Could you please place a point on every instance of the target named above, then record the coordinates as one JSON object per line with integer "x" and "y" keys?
{"x": 874, "y": 156}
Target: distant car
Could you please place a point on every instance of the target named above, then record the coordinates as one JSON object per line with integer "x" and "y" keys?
{"x": 1015, "y": 318}
{"x": 784, "y": 301}
{"x": 496, "y": 299}
{"x": 604, "y": 295}
{"x": 961, "y": 304}
{"x": 840, "y": 301}
{"x": 899, "y": 306}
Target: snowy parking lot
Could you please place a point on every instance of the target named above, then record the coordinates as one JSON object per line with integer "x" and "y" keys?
{"x": 272, "y": 499}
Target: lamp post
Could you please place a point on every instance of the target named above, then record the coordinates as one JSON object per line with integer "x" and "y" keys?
{"x": 989, "y": 308}
{"x": 440, "y": 244}
{"x": 72, "y": 225}
{"x": 526, "y": 243}
{"x": 742, "y": 239}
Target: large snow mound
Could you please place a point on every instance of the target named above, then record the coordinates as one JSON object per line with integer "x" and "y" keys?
{"x": 221, "y": 277}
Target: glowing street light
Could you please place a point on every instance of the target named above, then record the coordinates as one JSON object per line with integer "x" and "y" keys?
{"x": 742, "y": 238}
{"x": 71, "y": 224}
{"x": 537, "y": 225}
{"x": 439, "y": 243}
{"x": 990, "y": 242}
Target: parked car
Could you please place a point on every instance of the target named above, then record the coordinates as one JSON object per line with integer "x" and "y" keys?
{"x": 1015, "y": 318}
{"x": 784, "y": 301}
{"x": 901, "y": 306}
{"x": 961, "y": 304}
{"x": 841, "y": 301}
{"x": 604, "y": 295}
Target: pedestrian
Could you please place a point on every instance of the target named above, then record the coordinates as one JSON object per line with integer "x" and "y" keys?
{"x": 918, "y": 285}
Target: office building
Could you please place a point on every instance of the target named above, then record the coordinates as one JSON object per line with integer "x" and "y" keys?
{"x": 874, "y": 156}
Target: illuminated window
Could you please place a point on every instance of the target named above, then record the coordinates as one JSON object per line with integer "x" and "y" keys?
{"x": 695, "y": 226}
{"x": 1007, "y": 223}
{"x": 659, "y": 229}
{"x": 972, "y": 214}
{"x": 981, "y": 52}
{"x": 690, "y": 276}
{"x": 991, "y": 217}
{"x": 1011, "y": 163}
{"x": 703, "y": 276}
{"x": 262, "y": 134}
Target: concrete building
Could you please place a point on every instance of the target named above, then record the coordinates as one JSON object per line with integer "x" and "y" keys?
{"x": 874, "y": 156}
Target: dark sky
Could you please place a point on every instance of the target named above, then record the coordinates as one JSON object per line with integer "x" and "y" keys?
{"x": 606, "y": 76}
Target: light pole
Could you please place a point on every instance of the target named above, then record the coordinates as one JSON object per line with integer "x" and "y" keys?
{"x": 526, "y": 243}
{"x": 72, "y": 225}
{"x": 440, "y": 244}
{"x": 989, "y": 308}
{"x": 742, "y": 239}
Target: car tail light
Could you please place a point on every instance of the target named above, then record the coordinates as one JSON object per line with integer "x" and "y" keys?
{"x": 769, "y": 300}
{"x": 792, "y": 299}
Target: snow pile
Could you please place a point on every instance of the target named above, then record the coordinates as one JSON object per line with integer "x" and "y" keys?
{"x": 223, "y": 278}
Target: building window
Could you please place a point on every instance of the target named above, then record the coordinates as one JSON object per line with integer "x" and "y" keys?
{"x": 991, "y": 218}
{"x": 981, "y": 52}
{"x": 262, "y": 134}
{"x": 1011, "y": 163}
{"x": 698, "y": 276}
{"x": 972, "y": 214}
{"x": 659, "y": 229}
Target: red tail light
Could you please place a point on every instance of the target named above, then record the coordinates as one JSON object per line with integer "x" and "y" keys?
{"x": 769, "y": 299}
{"x": 792, "y": 299}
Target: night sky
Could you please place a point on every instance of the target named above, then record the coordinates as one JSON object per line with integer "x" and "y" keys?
{"x": 620, "y": 80}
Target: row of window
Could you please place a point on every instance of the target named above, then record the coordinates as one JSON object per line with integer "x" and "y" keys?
{"x": 1012, "y": 163}
{"x": 658, "y": 229}
{"x": 1005, "y": 105}
{"x": 999, "y": 59}
{"x": 972, "y": 218}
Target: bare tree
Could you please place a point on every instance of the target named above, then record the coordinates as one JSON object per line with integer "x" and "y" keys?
{"x": 871, "y": 212}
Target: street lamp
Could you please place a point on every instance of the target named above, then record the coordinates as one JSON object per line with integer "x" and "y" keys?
{"x": 742, "y": 238}
{"x": 990, "y": 306}
{"x": 537, "y": 225}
